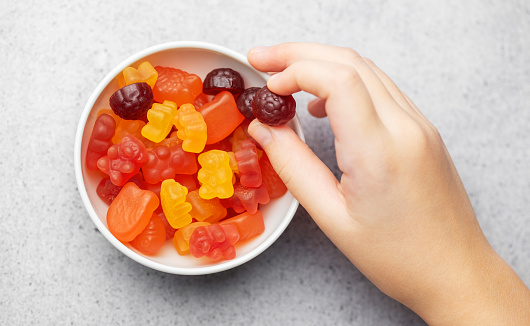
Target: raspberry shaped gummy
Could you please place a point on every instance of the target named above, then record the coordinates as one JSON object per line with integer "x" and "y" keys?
{"x": 223, "y": 79}
{"x": 132, "y": 102}
{"x": 273, "y": 109}
{"x": 244, "y": 102}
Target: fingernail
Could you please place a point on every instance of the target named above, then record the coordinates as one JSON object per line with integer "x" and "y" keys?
{"x": 260, "y": 132}
{"x": 258, "y": 49}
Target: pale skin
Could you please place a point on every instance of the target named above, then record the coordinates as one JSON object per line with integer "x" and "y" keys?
{"x": 400, "y": 212}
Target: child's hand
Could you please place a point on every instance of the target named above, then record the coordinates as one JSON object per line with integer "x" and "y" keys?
{"x": 400, "y": 212}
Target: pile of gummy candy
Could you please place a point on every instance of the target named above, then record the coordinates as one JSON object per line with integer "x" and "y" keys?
{"x": 178, "y": 164}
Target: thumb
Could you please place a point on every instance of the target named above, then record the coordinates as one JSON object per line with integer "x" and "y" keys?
{"x": 305, "y": 175}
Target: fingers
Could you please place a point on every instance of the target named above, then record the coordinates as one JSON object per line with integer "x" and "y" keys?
{"x": 348, "y": 103}
{"x": 317, "y": 107}
{"x": 304, "y": 174}
{"x": 280, "y": 58}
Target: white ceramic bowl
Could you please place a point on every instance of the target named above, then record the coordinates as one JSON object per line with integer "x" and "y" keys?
{"x": 198, "y": 58}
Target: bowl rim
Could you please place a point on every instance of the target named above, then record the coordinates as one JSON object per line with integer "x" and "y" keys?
{"x": 201, "y": 270}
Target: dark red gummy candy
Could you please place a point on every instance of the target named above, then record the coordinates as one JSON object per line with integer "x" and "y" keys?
{"x": 132, "y": 102}
{"x": 273, "y": 109}
{"x": 223, "y": 79}
{"x": 244, "y": 102}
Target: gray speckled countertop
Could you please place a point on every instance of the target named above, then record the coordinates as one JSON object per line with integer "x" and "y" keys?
{"x": 466, "y": 64}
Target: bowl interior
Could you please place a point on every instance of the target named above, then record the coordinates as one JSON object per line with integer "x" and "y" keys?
{"x": 197, "y": 58}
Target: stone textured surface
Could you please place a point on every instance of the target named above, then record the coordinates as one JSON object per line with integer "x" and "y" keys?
{"x": 466, "y": 64}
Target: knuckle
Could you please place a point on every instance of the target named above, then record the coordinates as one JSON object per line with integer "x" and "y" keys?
{"x": 350, "y": 55}
{"x": 347, "y": 76}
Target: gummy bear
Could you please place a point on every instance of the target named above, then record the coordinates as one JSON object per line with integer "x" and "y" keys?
{"x": 215, "y": 241}
{"x": 152, "y": 238}
{"x": 170, "y": 231}
{"x": 181, "y": 238}
{"x": 247, "y": 198}
{"x": 176, "y": 85}
{"x": 145, "y": 73}
{"x": 127, "y": 127}
{"x": 165, "y": 162}
{"x": 188, "y": 181}
{"x": 215, "y": 175}
{"x": 238, "y": 136}
{"x": 191, "y": 128}
{"x": 248, "y": 164}
{"x": 160, "y": 118}
{"x": 108, "y": 191}
{"x": 100, "y": 140}
{"x": 248, "y": 225}
{"x": 221, "y": 116}
{"x": 130, "y": 212}
{"x": 123, "y": 160}
{"x": 200, "y": 100}
{"x": 271, "y": 179}
{"x": 173, "y": 198}
{"x": 208, "y": 210}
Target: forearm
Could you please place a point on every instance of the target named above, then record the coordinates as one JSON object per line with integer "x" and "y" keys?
{"x": 487, "y": 292}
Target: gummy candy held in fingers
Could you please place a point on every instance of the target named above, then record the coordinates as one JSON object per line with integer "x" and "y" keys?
{"x": 130, "y": 212}
{"x": 131, "y": 102}
{"x": 248, "y": 164}
{"x": 176, "y": 85}
{"x": 176, "y": 208}
{"x": 152, "y": 238}
{"x": 191, "y": 128}
{"x": 214, "y": 241}
{"x": 160, "y": 121}
{"x": 244, "y": 102}
{"x": 166, "y": 162}
{"x": 248, "y": 225}
{"x": 145, "y": 73}
{"x": 223, "y": 79}
{"x": 123, "y": 160}
{"x": 100, "y": 140}
{"x": 221, "y": 116}
{"x": 215, "y": 175}
{"x": 273, "y": 109}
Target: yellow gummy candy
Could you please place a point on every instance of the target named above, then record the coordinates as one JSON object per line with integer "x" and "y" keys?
{"x": 174, "y": 204}
{"x": 191, "y": 128}
{"x": 215, "y": 175}
{"x": 160, "y": 118}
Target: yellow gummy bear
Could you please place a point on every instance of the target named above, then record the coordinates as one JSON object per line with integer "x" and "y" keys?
{"x": 215, "y": 175}
{"x": 174, "y": 204}
{"x": 160, "y": 118}
{"x": 191, "y": 128}
{"x": 145, "y": 73}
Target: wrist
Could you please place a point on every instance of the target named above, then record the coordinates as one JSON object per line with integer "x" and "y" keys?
{"x": 482, "y": 291}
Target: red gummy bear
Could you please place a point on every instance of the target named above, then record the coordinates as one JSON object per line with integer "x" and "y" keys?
{"x": 164, "y": 163}
{"x": 108, "y": 191}
{"x": 100, "y": 140}
{"x": 271, "y": 179}
{"x": 214, "y": 241}
{"x": 248, "y": 164}
{"x": 247, "y": 198}
{"x": 123, "y": 160}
